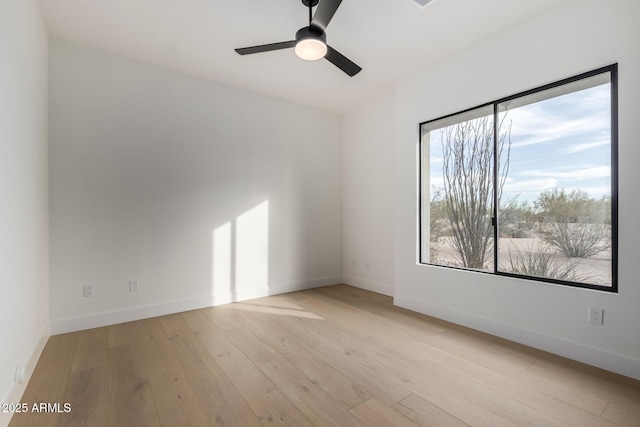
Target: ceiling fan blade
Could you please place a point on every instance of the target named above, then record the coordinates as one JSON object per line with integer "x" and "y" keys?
{"x": 342, "y": 62}
{"x": 325, "y": 11}
{"x": 266, "y": 47}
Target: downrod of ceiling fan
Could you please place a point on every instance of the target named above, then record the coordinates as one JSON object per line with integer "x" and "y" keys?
{"x": 310, "y": 4}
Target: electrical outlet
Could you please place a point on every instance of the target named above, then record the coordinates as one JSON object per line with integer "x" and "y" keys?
{"x": 596, "y": 315}
{"x": 133, "y": 286}
{"x": 21, "y": 374}
{"x": 87, "y": 291}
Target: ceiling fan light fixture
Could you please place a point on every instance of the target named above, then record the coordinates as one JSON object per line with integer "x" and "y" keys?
{"x": 310, "y": 45}
{"x": 311, "y": 49}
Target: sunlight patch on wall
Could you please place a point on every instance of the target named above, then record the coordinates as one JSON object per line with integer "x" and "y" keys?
{"x": 252, "y": 248}
{"x": 241, "y": 253}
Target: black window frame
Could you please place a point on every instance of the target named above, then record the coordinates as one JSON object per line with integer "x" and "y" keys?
{"x": 613, "y": 70}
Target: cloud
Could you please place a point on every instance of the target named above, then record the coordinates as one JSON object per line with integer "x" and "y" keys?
{"x": 528, "y": 187}
{"x": 577, "y": 174}
{"x": 531, "y": 127}
{"x": 584, "y": 113}
{"x": 436, "y": 180}
{"x": 576, "y": 148}
{"x": 528, "y": 184}
{"x": 596, "y": 190}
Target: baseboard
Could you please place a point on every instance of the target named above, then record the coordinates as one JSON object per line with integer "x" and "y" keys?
{"x": 61, "y": 326}
{"x": 368, "y": 285}
{"x": 16, "y": 392}
{"x": 614, "y": 362}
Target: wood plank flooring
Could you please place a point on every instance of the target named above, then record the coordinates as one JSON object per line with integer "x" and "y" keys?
{"x": 334, "y": 356}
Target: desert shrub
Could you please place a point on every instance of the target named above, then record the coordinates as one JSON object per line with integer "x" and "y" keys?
{"x": 577, "y": 240}
{"x": 540, "y": 262}
{"x": 574, "y": 223}
{"x": 517, "y": 219}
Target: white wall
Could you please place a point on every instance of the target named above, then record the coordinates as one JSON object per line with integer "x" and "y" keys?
{"x": 24, "y": 286}
{"x": 368, "y": 140}
{"x": 576, "y": 37}
{"x": 201, "y": 192}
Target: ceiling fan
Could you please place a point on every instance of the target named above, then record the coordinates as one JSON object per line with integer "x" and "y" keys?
{"x": 311, "y": 42}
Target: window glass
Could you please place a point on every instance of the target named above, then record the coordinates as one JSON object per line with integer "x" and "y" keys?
{"x": 459, "y": 188}
{"x": 555, "y": 210}
{"x": 525, "y": 186}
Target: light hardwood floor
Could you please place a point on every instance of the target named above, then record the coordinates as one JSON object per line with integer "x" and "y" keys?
{"x": 335, "y": 356}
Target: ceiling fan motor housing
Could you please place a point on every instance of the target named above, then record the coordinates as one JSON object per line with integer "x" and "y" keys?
{"x": 310, "y": 33}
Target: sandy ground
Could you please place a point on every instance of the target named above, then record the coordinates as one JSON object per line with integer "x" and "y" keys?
{"x": 595, "y": 270}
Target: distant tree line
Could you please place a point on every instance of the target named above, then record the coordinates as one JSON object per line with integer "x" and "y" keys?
{"x": 572, "y": 222}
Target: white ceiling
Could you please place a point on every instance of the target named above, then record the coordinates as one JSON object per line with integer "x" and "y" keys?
{"x": 387, "y": 38}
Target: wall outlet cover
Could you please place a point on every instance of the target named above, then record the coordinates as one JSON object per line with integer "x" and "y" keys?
{"x": 596, "y": 315}
{"x": 87, "y": 291}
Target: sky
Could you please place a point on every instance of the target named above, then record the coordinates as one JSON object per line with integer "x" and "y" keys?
{"x": 559, "y": 142}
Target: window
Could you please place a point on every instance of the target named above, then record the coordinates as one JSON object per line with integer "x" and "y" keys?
{"x": 526, "y": 186}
